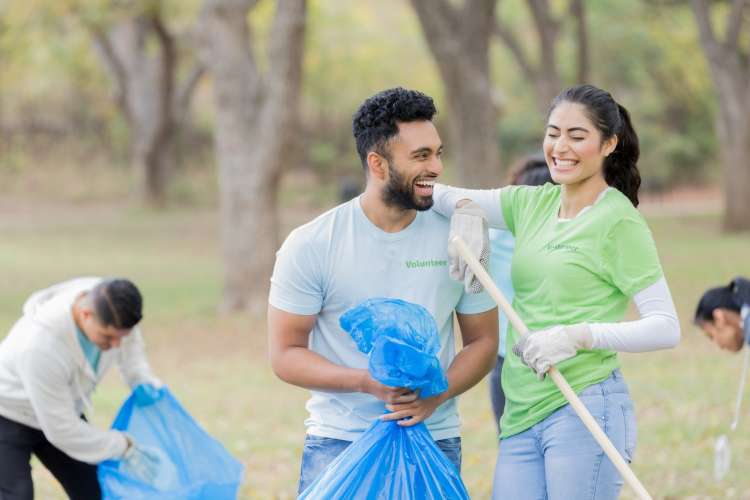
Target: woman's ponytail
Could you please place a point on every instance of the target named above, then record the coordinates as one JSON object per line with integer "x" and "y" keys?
{"x": 621, "y": 166}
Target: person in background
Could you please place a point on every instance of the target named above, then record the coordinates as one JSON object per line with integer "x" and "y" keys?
{"x": 530, "y": 171}
{"x": 68, "y": 337}
{"x": 723, "y": 313}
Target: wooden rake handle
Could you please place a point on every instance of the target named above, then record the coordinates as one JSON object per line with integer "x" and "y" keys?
{"x": 557, "y": 377}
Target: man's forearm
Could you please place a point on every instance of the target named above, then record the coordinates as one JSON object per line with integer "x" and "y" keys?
{"x": 471, "y": 365}
{"x": 304, "y": 368}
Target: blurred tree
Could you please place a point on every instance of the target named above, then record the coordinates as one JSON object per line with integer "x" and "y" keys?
{"x": 142, "y": 58}
{"x": 459, "y": 38}
{"x": 545, "y": 76}
{"x": 256, "y": 121}
{"x": 729, "y": 59}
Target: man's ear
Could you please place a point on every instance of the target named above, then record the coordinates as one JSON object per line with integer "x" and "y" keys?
{"x": 377, "y": 165}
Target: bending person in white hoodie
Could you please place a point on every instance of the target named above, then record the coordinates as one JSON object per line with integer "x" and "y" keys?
{"x": 51, "y": 361}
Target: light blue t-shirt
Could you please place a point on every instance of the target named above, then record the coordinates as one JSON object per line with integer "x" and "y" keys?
{"x": 502, "y": 245}
{"x": 339, "y": 260}
{"x": 90, "y": 350}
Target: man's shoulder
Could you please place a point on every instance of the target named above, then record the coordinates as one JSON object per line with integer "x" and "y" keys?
{"x": 320, "y": 226}
{"x": 318, "y": 235}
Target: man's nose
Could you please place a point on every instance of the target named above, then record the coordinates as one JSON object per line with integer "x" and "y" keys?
{"x": 436, "y": 166}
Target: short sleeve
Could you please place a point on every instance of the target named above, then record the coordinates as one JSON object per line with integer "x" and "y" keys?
{"x": 474, "y": 303}
{"x": 629, "y": 256}
{"x": 296, "y": 283}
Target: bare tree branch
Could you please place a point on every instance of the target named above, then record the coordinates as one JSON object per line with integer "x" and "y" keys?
{"x": 184, "y": 93}
{"x": 114, "y": 66}
{"x": 507, "y": 36}
{"x": 547, "y": 29}
{"x": 285, "y": 70}
{"x": 578, "y": 11}
{"x": 734, "y": 23}
{"x": 705, "y": 30}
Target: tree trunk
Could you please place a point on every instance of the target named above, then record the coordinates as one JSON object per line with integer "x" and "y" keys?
{"x": 730, "y": 71}
{"x": 734, "y": 137}
{"x": 145, "y": 90}
{"x": 459, "y": 42}
{"x": 256, "y": 121}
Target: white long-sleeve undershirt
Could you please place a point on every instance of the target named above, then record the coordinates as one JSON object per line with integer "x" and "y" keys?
{"x": 658, "y": 326}
{"x": 446, "y": 197}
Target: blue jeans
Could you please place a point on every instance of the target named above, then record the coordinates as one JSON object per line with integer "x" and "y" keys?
{"x": 321, "y": 451}
{"x": 558, "y": 458}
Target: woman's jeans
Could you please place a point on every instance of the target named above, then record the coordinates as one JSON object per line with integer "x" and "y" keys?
{"x": 558, "y": 458}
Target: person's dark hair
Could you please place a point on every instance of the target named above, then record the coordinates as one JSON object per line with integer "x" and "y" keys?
{"x": 531, "y": 171}
{"x": 611, "y": 119}
{"x": 118, "y": 303}
{"x": 375, "y": 122}
{"x": 716, "y": 298}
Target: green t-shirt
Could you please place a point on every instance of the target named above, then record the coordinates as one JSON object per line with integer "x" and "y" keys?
{"x": 584, "y": 269}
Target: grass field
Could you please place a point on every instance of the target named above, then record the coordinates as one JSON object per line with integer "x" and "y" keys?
{"x": 217, "y": 366}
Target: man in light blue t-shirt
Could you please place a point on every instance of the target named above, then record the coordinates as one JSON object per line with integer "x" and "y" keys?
{"x": 385, "y": 243}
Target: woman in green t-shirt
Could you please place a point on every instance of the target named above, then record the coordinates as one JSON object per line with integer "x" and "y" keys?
{"x": 583, "y": 251}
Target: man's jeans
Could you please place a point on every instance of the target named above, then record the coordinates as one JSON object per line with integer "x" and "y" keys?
{"x": 320, "y": 451}
{"x": 558, "y": 458}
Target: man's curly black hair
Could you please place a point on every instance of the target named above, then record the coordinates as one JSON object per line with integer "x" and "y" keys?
{"x": 375, "y": 122}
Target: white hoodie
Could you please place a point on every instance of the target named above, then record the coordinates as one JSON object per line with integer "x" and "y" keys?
{"x": 46, "y": 381}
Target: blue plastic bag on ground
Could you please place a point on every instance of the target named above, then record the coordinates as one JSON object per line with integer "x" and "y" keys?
{"x": 389, "y": 461}
{"x": 194, "y": 465}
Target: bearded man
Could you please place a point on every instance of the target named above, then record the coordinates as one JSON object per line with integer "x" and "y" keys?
{"x": 387, "y": 242}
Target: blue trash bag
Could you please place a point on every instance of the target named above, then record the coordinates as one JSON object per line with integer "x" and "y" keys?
{"x": 390, "y": 461}
{"x": 194, "y": 465}
{"x": 402, "y": 341}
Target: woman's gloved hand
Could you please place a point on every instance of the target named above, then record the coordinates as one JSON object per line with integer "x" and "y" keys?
{"x": 470, "y": 223}
{"x": 542, "y": 349}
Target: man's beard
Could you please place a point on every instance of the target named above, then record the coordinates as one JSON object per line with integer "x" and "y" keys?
{"x": 400, "y": 193}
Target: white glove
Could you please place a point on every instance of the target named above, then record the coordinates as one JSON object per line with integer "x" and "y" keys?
{"x": 543, "y": 349}
{"x": 141, "y": 462}
{"x": 470, "y": 223}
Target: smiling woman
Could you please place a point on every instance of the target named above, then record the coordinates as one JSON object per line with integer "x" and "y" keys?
{"x": 582, "y": 253}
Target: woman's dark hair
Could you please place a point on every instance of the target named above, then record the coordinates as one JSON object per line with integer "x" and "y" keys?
{"x": 530, "y": 171}
{"x": 376, "y": 119}
{"x": 722, "y": 297}
{"x": 118, "y": 303}
{"x": 732, "y": 297}
{"x": 611, "y": 119}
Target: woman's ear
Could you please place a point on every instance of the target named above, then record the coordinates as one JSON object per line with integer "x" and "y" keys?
{"x": 720, "y": 317}
{"x": 610, "y": 145}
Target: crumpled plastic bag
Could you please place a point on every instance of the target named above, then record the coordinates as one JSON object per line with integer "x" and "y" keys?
{"x": 194, "y": 465}
{"x": 402, "y": 341}
{"x": 390, "y": 461}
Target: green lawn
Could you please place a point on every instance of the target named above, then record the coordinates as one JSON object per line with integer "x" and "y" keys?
{"x": 217, "y": 365}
